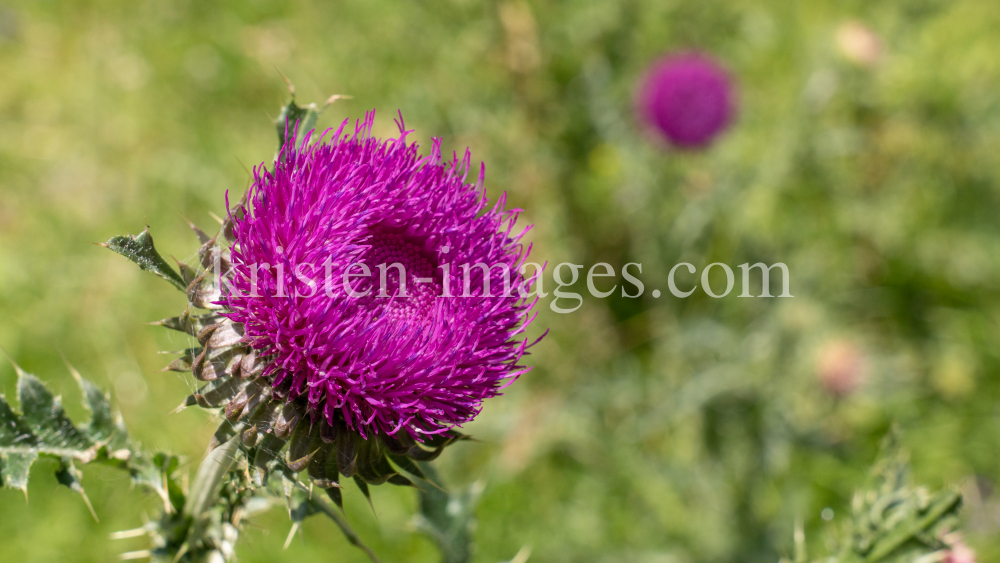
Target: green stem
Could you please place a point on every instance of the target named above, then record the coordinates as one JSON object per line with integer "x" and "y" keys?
{"x": 205, "y": 488}
{"x": 208, "y": 480}
{"x": 341, "y": 522}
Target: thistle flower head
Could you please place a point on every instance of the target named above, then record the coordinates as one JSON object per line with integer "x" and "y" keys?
{"x": 378, "y": 284}
{"x": 687, "y": 99}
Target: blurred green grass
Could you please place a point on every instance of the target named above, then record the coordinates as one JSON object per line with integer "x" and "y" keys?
{"x": 651, "y": 430}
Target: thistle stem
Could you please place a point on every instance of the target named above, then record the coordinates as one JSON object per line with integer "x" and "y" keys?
{"x": 341, "y": 522}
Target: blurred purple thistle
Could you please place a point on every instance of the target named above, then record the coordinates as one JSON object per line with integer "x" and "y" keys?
{"x": 687, "y": 98}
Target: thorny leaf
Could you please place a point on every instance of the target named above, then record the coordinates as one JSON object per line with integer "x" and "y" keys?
{"x": 140, "y": 250}
{"x": 42, "y": 429}
{"x": 294, "y": 119}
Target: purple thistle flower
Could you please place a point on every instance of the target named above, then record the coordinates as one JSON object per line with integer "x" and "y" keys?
{"x": 687, "y": 98}
{"x": 418, "y": 354}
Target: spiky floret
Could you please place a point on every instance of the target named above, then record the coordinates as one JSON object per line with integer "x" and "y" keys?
{"x": 415, "y": 355}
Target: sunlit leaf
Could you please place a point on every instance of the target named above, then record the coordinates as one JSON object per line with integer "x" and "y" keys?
{"x": 140, "y": 250}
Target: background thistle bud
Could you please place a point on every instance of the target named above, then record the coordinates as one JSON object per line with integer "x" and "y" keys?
{"x": 859, "y": 44}
{"x": 841, "y": 367}
{"x": 687, "y": 99}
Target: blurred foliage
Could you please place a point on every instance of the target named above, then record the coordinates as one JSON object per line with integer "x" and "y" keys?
{"x": 448, "y": 517}
{"x": 652, "y": 430}
{"x": 894, "y": 521}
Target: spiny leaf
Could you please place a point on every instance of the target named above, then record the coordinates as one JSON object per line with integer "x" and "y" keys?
{"x": 69, "y": 475}
{"x": 294, "y": 119}
{"x": 140, "y": 250}
{"x": 16, "y": 452}
{"x": 44, "y": 430}
{"x": 14, "y": 469}
{"x": 48, "y": 421}
{"x": 14, "y": 431}
{"x": 102, "y": 423}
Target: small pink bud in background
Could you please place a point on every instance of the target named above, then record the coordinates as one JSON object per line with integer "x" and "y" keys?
{"x": 959, "y": 553}
{"x": 859, "y": 44}
{"x": 841, "y": 367}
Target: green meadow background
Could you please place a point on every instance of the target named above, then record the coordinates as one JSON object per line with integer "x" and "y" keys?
{"x": 651, "y": 430}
